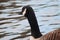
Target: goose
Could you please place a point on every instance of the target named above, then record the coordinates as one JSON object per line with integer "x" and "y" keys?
{"x": 28, "y": 12}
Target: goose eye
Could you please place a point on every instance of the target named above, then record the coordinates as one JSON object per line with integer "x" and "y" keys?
{"x": 24, "y": 12}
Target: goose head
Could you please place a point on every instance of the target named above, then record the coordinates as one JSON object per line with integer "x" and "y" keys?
{"x": 27, "y": 10}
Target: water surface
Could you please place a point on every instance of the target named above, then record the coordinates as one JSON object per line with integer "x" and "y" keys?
{"x": 16, "y": 27}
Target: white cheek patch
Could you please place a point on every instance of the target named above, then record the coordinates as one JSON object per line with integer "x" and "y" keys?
{"x": 24, "y": 12}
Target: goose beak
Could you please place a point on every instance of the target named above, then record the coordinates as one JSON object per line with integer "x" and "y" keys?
{"x": 23, "y": 12}
{"x": 20, "y": 13}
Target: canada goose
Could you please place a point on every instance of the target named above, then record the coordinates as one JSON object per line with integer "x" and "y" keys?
{"x": 28, "y": 12}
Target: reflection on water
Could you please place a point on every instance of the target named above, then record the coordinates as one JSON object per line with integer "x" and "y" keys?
{"x": 16, "y": 27}
{"x": 4, "y": 0}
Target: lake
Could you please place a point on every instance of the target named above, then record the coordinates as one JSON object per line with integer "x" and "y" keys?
{"x": 16, "y": 27}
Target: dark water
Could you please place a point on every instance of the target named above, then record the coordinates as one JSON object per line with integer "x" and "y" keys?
{"x": 16, "y": 27}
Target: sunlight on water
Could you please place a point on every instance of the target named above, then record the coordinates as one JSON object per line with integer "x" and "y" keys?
{"x": 16, "y": 27}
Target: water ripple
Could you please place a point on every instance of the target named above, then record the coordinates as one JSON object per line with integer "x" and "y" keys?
{"x": 16, "y": 27}
{"x": 50, "y": 15}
